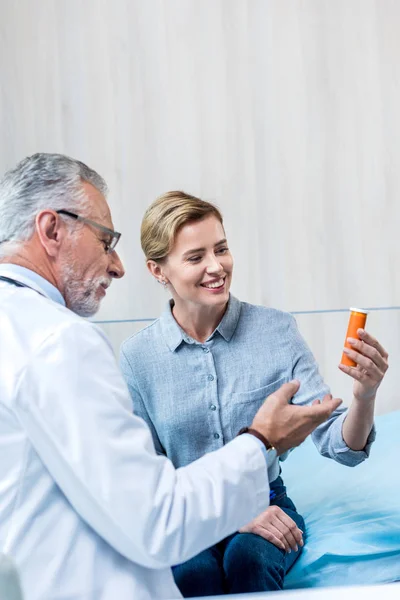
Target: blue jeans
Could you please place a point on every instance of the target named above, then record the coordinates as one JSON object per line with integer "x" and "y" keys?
{"x": 242, "y": 562}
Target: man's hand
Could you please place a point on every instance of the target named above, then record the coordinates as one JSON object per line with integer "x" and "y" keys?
{"x": 275, "y": 526}
{"x": 286, "y": 425}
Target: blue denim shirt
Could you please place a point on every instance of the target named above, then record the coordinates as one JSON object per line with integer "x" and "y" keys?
{"x": 196, "y": 396}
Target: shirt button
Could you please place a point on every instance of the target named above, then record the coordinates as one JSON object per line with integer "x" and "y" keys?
{"x": 213, "y": 407}
{"x": 211, "y": 378}
{"x": 216, "y": 436}
{"x": 205, "y": 350}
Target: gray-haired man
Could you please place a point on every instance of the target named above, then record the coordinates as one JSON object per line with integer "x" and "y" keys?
{"x": 88, "y": 510}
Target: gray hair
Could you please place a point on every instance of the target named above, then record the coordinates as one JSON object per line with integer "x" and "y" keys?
{"x": 38, "y": 182}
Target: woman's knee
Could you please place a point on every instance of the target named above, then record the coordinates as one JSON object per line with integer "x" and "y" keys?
{"x": 253, "y": 564}
{"x": 251, "y": 551}
{"x": 201, "y": 575}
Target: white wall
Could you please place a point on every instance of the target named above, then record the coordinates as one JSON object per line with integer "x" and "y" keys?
{"x": 284, "y": 112}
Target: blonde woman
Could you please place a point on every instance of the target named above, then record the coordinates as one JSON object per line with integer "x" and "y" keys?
{"x": 198, "y": 374}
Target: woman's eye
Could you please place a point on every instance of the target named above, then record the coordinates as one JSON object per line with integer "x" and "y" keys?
{"x": 222, "y": 250}
{"x": 106, "y": 245}
{"x": 194, "y": 259}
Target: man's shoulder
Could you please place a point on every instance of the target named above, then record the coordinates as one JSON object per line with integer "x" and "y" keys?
{"x": 34, "y": 318}
{"x": 42, "y": 335}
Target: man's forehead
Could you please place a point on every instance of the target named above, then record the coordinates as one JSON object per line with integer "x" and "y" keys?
{"x": 99, "y": 209}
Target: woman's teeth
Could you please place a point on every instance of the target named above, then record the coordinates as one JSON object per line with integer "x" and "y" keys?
{"x": 215, "y": 284}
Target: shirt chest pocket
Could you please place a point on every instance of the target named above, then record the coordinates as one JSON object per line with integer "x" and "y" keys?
{"x": 246, "y": 404}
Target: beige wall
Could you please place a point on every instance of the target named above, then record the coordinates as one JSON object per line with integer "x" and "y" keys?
{"x": 284, "y": 112}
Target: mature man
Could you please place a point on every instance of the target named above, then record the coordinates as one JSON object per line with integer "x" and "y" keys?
{"x": 87, "y": 508}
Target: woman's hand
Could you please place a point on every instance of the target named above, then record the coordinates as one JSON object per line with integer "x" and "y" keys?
{"x": 275, "y": 526}
{"x": 372, "y": 363}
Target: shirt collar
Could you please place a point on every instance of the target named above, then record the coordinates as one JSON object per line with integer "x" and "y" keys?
{"x": 33, "y": 280}
{"x": 229, "y": 321}
{"x": 174, "y": 335}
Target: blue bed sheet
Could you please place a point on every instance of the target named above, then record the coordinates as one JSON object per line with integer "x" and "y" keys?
{"x": 352, "y": 514}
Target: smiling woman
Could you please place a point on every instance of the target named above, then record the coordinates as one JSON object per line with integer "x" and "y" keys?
{"x": 199, "y": 374}
{"x": 184, "y": 241}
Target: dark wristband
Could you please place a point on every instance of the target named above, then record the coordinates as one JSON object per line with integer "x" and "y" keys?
{"x": 258, "y": 435}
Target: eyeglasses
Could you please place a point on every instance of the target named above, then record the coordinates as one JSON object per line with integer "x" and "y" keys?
{"x": 114, "y": 235}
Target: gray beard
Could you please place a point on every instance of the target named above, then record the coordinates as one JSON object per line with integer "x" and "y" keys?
{"x": 80, "y": 295}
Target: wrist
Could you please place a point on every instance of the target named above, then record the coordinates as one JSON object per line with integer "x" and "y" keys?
{"x": 362, "y": 401}
{"x": 258, "y": 435}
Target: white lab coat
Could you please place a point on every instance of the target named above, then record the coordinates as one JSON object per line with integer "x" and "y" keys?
{"x": 87, "y": 509}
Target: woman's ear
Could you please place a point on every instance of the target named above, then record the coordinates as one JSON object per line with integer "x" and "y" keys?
{"x": 157, "y": 271}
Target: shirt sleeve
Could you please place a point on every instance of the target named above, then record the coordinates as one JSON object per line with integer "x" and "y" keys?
{"x": 139, "y": 407}
{"x": 75, "y": 408}
{"x": 328, "y": 437}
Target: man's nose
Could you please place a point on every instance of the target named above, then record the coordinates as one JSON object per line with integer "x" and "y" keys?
{"x": 116, "y": 268}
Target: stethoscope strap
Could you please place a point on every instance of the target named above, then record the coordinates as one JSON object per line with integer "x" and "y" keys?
{"x": 13, "y": 281}
{"x": 18, "y": 283}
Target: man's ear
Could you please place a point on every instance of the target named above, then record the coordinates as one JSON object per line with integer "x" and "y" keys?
{"x": 50, "y": 230}
{"x": 156, "y": 270}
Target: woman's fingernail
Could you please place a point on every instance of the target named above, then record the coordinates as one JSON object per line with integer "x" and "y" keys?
{"x": 297, "y": 548}
{"x": 351, "y": 340}
{"x": 346, "y": 350}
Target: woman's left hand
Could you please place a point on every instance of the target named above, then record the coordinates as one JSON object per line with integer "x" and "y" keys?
{"x": 275, "y": 526}
{"x": 372, "y": 363}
